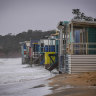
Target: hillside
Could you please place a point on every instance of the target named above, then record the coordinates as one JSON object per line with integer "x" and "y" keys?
{"x": 9, "y": 44}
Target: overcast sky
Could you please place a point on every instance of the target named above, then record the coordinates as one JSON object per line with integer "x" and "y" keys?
{"x": 17, "y": 16}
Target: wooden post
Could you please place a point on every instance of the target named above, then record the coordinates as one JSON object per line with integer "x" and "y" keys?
{"x": 43, "y": 46}
{"x": 87, "y": 44}
{"x": 72, "y": 38}
{"x": 72, "y": 46}
{"x": 48, "y": 44}
{"x": 55, "y": 44}
{"x": 86, "y": 48}
{"x": 69, "y": 39}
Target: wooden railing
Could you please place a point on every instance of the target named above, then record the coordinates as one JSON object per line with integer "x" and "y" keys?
{"x": 81, "y": 48}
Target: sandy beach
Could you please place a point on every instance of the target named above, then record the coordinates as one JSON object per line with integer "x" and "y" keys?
{"x": 83, "y": 84}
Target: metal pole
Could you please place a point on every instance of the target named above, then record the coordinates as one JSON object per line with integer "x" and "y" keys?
{"x": 61, "y": 52}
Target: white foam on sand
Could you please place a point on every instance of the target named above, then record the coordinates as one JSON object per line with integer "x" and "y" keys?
{"x": 11, "y": 70}
{"x": 19, "y": 80}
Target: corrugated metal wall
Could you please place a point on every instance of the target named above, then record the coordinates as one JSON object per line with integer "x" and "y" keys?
{"x": 81, "y": 63}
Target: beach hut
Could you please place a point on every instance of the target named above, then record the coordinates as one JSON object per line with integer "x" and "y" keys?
{"x": 77, "y": 47}
{"x": 48, "y": 51}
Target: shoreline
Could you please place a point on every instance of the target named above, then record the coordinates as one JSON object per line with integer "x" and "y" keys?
{"x": 83, "y": 84}
{"x": 21, "y": 80}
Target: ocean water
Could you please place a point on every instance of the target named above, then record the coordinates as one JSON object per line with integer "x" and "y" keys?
{"x": 11, "y": 70}
{"x": 17, "y": 79}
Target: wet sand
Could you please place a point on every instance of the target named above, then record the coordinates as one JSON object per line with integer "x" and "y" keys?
{"x": 75, "y": 92}
{"x": 83, "y": 84}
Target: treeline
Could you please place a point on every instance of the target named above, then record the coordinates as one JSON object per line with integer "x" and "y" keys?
{"x": 10, "y": 43}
